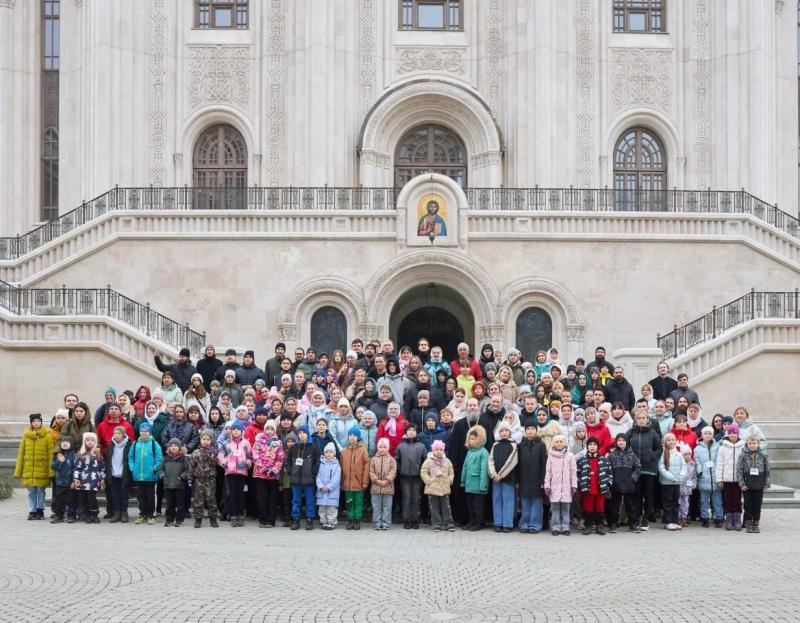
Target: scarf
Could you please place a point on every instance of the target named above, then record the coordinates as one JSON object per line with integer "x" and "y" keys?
{"x": 391, "y": 425}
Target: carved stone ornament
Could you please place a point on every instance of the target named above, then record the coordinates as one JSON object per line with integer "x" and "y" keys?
{"x": 287, "y": 332}
{"x": 158, "y": 95}
{"x": 641, "y": 77}
{"x": 430, "y": 59}
{"x": 219, "y": 74}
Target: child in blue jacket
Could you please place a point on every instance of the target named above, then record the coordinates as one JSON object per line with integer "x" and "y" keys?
{"x": 63, "y": 494}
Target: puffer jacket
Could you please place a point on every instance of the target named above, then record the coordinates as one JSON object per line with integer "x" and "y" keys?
{"x": 676, "y": 471}
{"x": 475, "y": 472}
{"x": 604, "y": 474}
{"x": 34, "y": 457}
{"x": 144, "y": 459}
{"x": 747, "y": 428}
{"x": 184, "y": 430}
{"x": 382, "y": 472}
{"x": 503, "y": 460}
{"x": 369, "y": 436}
{"x": 646, "y": 444}
{"x": 306, "y": 473}
{"x": 64, "y": 469}
{"x": 437, "y": 474}
{"x": 74, "y": 429}
{"x": 268, "y": 457}
{"x": 90, "y": 471}
{"x": 410, "y": 455}
{"x": 338, "y": 427}
{"x": 355, "y": 467}
{"x": 728, "y": 456}
{"x": 531, "y": 467}
{"x": 203, "y": 464}
{"x": 561, "y": 476}
{"x": 384, "y": 432}
{"x": 625, "y": 468}
{"x": 329, "y": 476}
{"x": 235, "y": 457}
{"x": 688, "y": 482}
{"x": 753, "y": 470}
{"x": 622, "y": 425}
{"x": 705, "y": 464}
{"x": 174, "y": 471}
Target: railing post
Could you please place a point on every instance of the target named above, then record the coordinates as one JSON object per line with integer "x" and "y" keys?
{"x": 713, "y": 321}
{"x": 64, "y": 295}
{"x": 186, "y": 334}
{"x": 796, "y": 314}
{"x": 147, "y": 318}
{"x": 752, "y": 303}
{"x": 675, "y": 341}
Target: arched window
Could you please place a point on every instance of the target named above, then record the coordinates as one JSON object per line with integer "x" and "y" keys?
{"x": 640, "y": 171}
{"x": 50, "y": 174}
{"x": 328, "y": 330}
{"x": 430, "y": 148}
{"x": 534, "y": 331}
{"x": 220, "y": 169}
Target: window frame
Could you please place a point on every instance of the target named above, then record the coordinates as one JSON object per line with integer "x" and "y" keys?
{"x": 447, "y": 8}
{"x": 626, "y": 8}
{"x": 431, "y": 165}
{"x": 639, "y": 198}
{"x": 237, "y": 7}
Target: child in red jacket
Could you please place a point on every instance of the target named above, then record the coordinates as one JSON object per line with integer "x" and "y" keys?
{"x": 594, "y": 480}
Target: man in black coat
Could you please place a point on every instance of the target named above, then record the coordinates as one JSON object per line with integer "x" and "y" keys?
{"x": 663, "y": 385}
{"x": 600, "y": 359}
{"x": 207, "y": 366}
{"x": 272, "y": 367}
{"x": 182, "y": 371}
{"x": 618, "y": 389}
{"x": 230, "y": 364}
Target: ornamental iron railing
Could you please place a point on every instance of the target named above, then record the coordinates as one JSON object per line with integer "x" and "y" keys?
{"x": 751, "y": 306}
{"x": 328, "y": 198}
{"x": 101, "y": 302}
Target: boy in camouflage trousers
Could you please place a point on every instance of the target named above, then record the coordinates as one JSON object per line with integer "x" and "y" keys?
{"x": 203, "y": 470}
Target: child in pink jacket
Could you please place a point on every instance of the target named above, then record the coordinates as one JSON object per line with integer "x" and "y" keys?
{"x": 236, "y": 458}
{"x": 560, "y": 484}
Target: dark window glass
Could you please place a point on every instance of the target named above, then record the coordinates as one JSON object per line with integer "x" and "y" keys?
{"x": 430, "y": 15}
{"x": 328, "y": 330}
{"x": 640, "y": 171}
{"x": 430, "y": 148}
{"x": 48, "y": 106}
{"x": 534, "y": 332}
{"x": 220, "y": 169}
{"x": 639, "y": 15}
{"x": 221, "y": 14}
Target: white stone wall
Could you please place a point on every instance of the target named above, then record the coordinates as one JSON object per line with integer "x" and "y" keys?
{"x": 138, "y": 85}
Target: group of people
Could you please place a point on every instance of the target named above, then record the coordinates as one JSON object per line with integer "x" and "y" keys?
{"x": 400, "y": 436}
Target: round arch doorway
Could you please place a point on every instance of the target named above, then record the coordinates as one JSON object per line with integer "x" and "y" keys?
{"x": 436, "y": 312}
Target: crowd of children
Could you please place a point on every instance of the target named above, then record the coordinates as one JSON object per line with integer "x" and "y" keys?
{"x": 403, "y": 448}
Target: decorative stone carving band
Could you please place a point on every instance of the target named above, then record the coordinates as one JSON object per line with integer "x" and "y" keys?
{"x": 641, "y": 77}
{"x": 219, "y": 74}
{"x": 430, "y": 59}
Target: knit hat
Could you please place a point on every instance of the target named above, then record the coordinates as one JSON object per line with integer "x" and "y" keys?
{"x": 89, "y": 435}
{"x": 270, "y": 424}
{"x": 352, "y": 353}
{"x": 606, "y": 406}
{"x": 491, "y": 366}
{"x": 555, "y": 402}
{"x": 120, "y": 429}
{"x": 504, "y": 426}
{"x": 230, "y": 351}
{"x": 593, "y": 440}
{"x": 146, "y": 426}
{"x": 261, "y": 411}
{"x": 733, "y": 428}
{"x": 35, "y": 416}
{"x": 578, "y": 414}
{"x": 368, "y": 413}
{"x": 423, "y": 393}
{"x": 555, "y": 365}
{"x": 616, "y": 439}
{"x": 329, "y": 447}
{"x": 302, "y": 429}
{"x": 260, "y": 383}
{"x": 513, "y": 351}
{"x": 686, "y": 449}
{"x": 111, "y": 390}
{"x": 410, "y": 426}
{"x": 286, "y": 377}
{"x": 343, "y": 402}
{"x": 184, "y": 352}
{"x": 579, "y": 426}
{"x": 291, "y": 436}
{"x": 230, "y": 373}
{"x": 197, "y": 376}
{"x": 62, "y": 411}
{"x": 206, "y": 433}
{"x": 571, "y": 368}
{"x": 524, "y": 389}
{"x": 727, "y": 419}
{"x": 64, "y": 438}
{"x": 238, "y": 424}
{"x": 710, "y": 429}
{"x": 175, "y": 442}
{"x": 437, "y": 445}
{"x": 250, "y": 353}
{"x": 354, "y": 431}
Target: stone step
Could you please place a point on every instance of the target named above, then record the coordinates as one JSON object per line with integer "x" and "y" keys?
{"x": 776, "y": 492}
{"x": 784, "y": 449}
{"x": 789, "y": 429}
{"x": 783, "y": 502}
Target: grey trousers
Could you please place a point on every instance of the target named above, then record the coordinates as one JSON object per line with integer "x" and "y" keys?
{"x": 328, "y": 515}
{"x": 382, "y": 509}
{"x": 441, "y": 515}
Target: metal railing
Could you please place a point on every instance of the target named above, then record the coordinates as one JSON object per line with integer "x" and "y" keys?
{"x": 752, "y": 305}
{"x": 329, "y": 198}
{"x": 101, "y": 302}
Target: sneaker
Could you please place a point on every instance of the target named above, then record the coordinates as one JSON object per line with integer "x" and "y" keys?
{"x": 555, "y": 532}
{"x": 439, "y": 528}
{"x": 645, "y": 525}
{"x": 498, "y": 528}
{"x": 634, "y": 528}
{"x": 376, "y": 527}
{"x": 506, "y": 530}
{"x": 70, "y": 519}
{"x": 167, "y": 524}
{"x": 565, "y": 533}
{"x": 451, "y": 528}
{"x": 57, "y": 519}
{"x": 178, "y": 524}
{"x": 140, "y": 520}
{"x": 296, "y": 525}
{"x": 601, "y": 530}
{"x": 587, "y": 530}
{"x": 705, "y": 523}
{"x": 151, "y": 521}
{"x": 612, "y": 528}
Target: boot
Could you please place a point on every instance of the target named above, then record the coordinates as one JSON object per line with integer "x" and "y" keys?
{"x": 198, "y": 522}
{"x": 748, "y": 526}
{"x": 115, "y": 518}
{"x": 39, "y": 513}
{"x": 729, "y": 521}
{"x": 350, "y": 525}
{"x": 588, "y": 529}
{"x": 124, "y": 518}
{"x": 296, "y": 524}
{"x": 94, "y": 518}
{"x": 737, "y": 521}
{"x": 756, "y": 528}
{"x": 309, "y": 524}
{"x": 600, "y": 529}
{"x": 56, "y": 519}
{"x": 357, "y": 525}
{"x": 213, "y": 521}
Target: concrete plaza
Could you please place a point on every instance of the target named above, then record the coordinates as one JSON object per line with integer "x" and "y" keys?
{"x": 128, "y": 572}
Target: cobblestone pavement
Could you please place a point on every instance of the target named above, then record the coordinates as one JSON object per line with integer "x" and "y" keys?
{"x": 128, "y": 572}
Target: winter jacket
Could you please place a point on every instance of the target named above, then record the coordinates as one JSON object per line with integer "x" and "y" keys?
{"x": 74, "y": 430}
{"x": 688, "y": 481}
{"x": 253, "y": 429}
{"x": 625, "y": 469}
{"x": 676, "y": 471}
{"x": 319, "y": 443}
{"x": 306, "y": 472}
{"x": 550, "y": 430}
{"x": 409, "y": 456}
{"x": 663, "y": 387}
{"x": 600, "y": 430}
{"x": 369, "y": 436}
{"x": 248, "y": 375}
{"x": 665, "y": 423}
{"x": 235, "y": 457}
{"x": 125, "y": 448}
{"x": 203, "y": 464}
{"x": 268, "y": 457}
{"x": 620, "y": 390}
{"x": 182, "y": 374}
{"x": 433, "y": 368}
{"x": 437, "y": 474}
{"x": 144, "y": 459}
{"x": 531, "y": 466}
{"x": 427, "y": 436}
{"x": 184, "y": 430}
{"x": 705, "y": 464}
{"x": 159, "y": 423}
{"x": 685, "y": 437}
{"x": 192, "y": 399}
{"x": 475, "y": 472}
{"x": 747, "y": 428}
{"x": 605, "y": 475}
{"x": 329, "y": 476}
{"x": 645, "y": 444}
{"x": 382, "y": 472}
{"x": 728, "y": 457}
{"x": 355, "y": 467}
{"x": 561, "y": 476}
{"x": 207, "y": 367}
{"x": 90, "y": 471}
{"x": 105, "y": 431}
{"x": 34, "y": 457}
{"x": 64, "y": 469}
{"x": 174, "y": 471}
{"x": 172, "y": 393}
{"x": 753, "y": 470}
{"x": 622, "y": 425}
{"x": 503, "y": 461}
{"x": 411, "y": 398}
{"x": 397, "y": 383}
{"x": 400, "y": 431}
{"x": 339, "y": 427}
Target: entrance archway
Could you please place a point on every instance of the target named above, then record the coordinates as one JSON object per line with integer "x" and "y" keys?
{"x": 434, "y": 311}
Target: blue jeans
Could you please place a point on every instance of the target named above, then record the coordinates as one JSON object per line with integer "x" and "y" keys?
{"x": 532, "y": 510}
{"x": 310, "y": 493}
{"x": 36, "y": 499}
{"x": 382, "y": 509}
{"x": 715, "y": 497}
{"x": 503, "y": 504}
{"x": 559, "y": 516}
